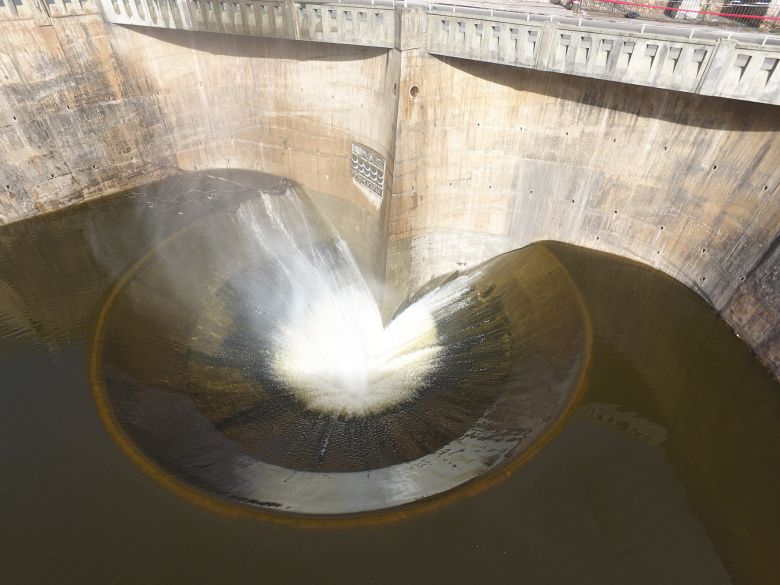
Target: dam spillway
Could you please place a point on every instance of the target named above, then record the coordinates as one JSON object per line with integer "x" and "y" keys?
{"x": 262, "y": 322}
{"x": 379, "y": 308}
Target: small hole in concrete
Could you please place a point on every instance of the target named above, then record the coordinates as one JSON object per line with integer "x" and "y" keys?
{"x": 531, "y": 192}
{"x": 572, "y": 200}
{"x": 714, "y": 167}
{"x": 658, "y": 251}
{"x": 68, "y": 107}
{"x": 766, "y": 187}
{"x": 615, "y": 212}
{"x": 614, "y": 140}
{"x": 662, "y": 227}
{"x": 742, "y": 279}
{"x": 14, "y": 117}
{"x": 703, "y": 278}
{"x": 395, "y": 88}
{"x": 597, "y": 237}
{"x": 52, "y": 175}
{"x": 567, "y": 134}
{"x": 413, "y": 91}
{"x": 703, "y": 250}
{"x": 665, "y": 148}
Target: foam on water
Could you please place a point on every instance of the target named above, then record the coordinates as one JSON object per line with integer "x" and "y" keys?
{"x": 330, "y": 347}
{"x": 337, "y": 357}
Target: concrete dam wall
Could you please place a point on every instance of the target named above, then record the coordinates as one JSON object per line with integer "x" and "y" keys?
{"x": 426, "y": 164}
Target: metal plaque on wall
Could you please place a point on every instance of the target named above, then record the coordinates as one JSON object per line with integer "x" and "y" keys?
{"x": 368, "y": 170}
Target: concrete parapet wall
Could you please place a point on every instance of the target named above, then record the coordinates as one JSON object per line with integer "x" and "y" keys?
{"x": 652, "y": 61}
{"x": 43, "y": 10}
{"x": 505, "y": 42}
{"x": 371, "y": 26}
{"x": 708, "y": 67}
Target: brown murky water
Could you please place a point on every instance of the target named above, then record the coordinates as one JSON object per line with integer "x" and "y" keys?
{"x": 666, "y": 470}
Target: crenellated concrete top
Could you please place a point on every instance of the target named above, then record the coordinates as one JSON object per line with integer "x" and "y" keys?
{"x": 716, "y": 62}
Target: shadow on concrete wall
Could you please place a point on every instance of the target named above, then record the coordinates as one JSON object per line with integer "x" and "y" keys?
{"x": 647, "y": 102}
{"x": 265, "y": 47}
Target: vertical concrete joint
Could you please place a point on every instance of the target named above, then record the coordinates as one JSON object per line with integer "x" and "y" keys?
{"x": 186, "y": 15}
{"x": 721, "y": 59}
{"x": 547, "y": 44}
{"x": 411, "y": 28}
{"x": 290, "y": 20}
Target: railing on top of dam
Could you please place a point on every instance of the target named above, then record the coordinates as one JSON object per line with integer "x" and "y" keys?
{"x": 42, "y": 10}
{"x": 704, "y": 61}
{"x": 354, "y": 24}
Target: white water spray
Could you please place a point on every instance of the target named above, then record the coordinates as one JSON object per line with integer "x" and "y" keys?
{"x": 330, "y": 347}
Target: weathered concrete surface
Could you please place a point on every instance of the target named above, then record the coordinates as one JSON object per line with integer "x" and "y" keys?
{"x": 485, "y": 158}
{"x": 88, "y": 108}
{"x": 684, "y": 183}
{"x": 672, "y": 59}
{"x": 286, "y": 108}
{"x": 72, "y": 124}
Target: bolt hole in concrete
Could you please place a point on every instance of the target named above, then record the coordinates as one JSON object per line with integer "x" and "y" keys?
{"x": 413, "y": 91}
{"x": 238, "y": 357}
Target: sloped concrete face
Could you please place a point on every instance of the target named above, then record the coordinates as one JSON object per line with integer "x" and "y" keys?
{"x": 477, "y": 158}
{"x": 89, "y": 109}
